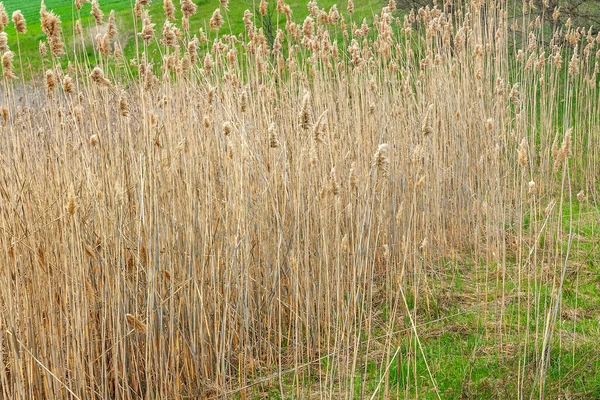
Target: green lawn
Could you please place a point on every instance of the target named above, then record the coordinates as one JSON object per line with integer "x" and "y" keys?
{"x": 29, "y": 42}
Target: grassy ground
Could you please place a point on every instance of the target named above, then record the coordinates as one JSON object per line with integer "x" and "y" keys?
{"x": 29, "y": 43}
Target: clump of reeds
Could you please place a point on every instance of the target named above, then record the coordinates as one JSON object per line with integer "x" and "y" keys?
{"x": 292, "y": 206}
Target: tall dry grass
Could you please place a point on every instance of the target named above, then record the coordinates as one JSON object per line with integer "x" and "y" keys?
{"x": 239, "y": 215}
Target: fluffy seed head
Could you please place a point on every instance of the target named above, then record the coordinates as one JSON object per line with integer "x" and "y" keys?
{"x": 43, "y": 49}
{"x": 273, "y": 140}
{"x": 147, "y": 32}
{"x": 68, "y": 84}
{"x": 305, "y": 111}
{"x": 97, "y": 13}
{"x": 3, "y": 17}
{"x": 244, "y": 102}
{"x": 135, "y": 323}
{"x": 139, "y": 7}
{"x": 208, "y": 63}
{"x": 123, "y": 105}
{"x": 3, "y": 41}
{"x": 169, "y": 8}
{"x": 51, "y": 26}
{"x": 98, "y": 77}
{"x": 188, "y": 8}
{"x": 50, "y": 81}
{"x": 71, "y": 203}
{"x": 227, "y": 128}
{"x": 19, "y": 21}
{"x": 381, "y": 159}
{"x": 531, "y": 186}
{"x": 169, "y": 35}
{"x": 216, "y": 21}
{"x": 262, "y": 8}
{"x": 111, "y": 30}
{"x": 334, "y": 183}
{"x": 7, "y": 65}
{"x": 319, "y": 127}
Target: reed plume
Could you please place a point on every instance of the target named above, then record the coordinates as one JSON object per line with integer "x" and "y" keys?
{"x": 98, "y": 77}
{"x": 7, "y": 65}
{"x": 19, "y": 21}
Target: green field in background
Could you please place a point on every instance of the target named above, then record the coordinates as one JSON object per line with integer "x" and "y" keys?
{"x": 28, "y": 44}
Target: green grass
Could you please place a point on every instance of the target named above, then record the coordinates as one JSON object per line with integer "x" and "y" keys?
{"x": 29, "y": 42}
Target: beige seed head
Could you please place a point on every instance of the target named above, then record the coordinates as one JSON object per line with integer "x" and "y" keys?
{"x": 19, "y": 21}
{"x": 68, "y": 84}
{"x": 532, "y": 187}
{"x": 244, "y": 101}
{"x": 334, "y": 183}
{"x": 381, "y": 159}
{"x": 72, "y": 203}
{"x": 169, "y": 35}
{"x": 97, "y": 13}
{"x": 51, "y": 26}
{"x": 135, "y": 323}
{"x": 111, "y": 30}
{"x": 7, "y": 65}
{"x": 226, "y": 128}
{"x": 216, "y": 20}
{"x": 4, "y": 112}
{"x": 188, "y": 8}
{"x": 123, "y": 105}
{"x": 3, "y": 17}
{"x": 305, "y": 111}
{"x": 192, "y": 49}
{"x": 262, "y": 8}
{"x": 94, "y": 140}
{"x": 169, "y": 9}
{"x": 273, "y": 140}
{"x": 139, "y": 7}
{"x": 319, "y": 127}
{"x": 3, "y": 41}
{"x": 98, "y": 77}
{"x": 344, "y": 244}
{"x": 147, "y": 32}
{"x": 208, "y": 63}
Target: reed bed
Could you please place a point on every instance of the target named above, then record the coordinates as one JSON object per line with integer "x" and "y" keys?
{"x": 239, "y": 217}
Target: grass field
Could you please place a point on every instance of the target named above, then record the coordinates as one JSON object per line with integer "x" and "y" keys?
{"x": 29, "y": 43}
{"x": 405, "y": 209}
